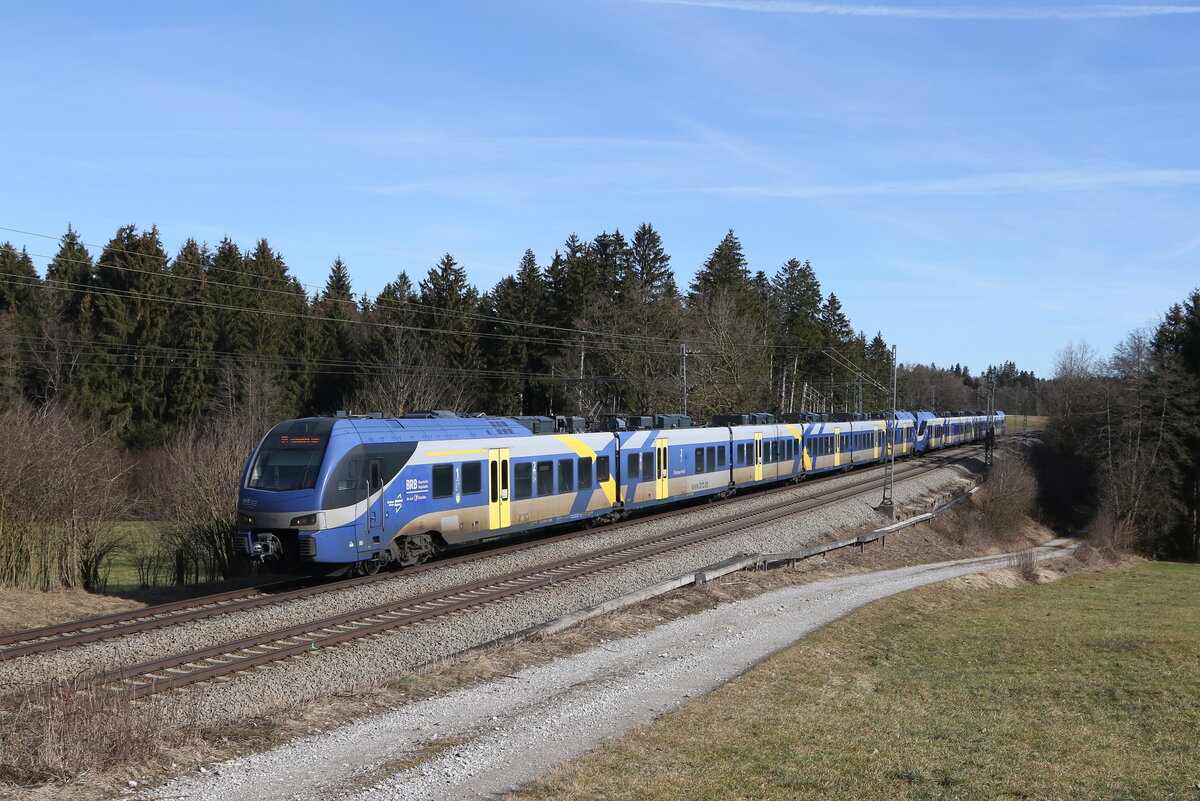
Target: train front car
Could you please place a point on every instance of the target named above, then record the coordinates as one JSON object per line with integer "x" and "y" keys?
{"x": 279, "y": 504}
{"x": 331, "y": 495}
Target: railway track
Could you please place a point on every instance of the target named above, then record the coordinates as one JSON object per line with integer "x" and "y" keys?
{"x": 218, "y": 661}
{"x": 81, "y": 632}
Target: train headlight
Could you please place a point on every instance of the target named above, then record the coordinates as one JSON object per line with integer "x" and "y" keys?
{"x": 245, "y": 520}
{"x": 305, "y": 520}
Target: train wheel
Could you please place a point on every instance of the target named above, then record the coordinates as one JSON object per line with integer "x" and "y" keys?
{"x": 368, "y": 567}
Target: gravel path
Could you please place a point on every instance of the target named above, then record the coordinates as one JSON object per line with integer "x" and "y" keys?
{"x": 504, "y": 734}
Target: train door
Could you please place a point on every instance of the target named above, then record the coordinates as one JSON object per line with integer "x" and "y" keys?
{"x": 660, "y": 475}
{"x": 837, "y": 447}
{"x": 758, "y": 456}
{"x": 499, "y": 514}
{"x": 376, "y": 512}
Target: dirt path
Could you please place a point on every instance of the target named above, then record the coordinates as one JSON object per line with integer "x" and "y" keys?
{"x": 481, "y": 742}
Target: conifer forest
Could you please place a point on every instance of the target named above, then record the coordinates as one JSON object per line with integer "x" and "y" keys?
{"x": 148, "y": 344}
{"x": 145, "y": 377}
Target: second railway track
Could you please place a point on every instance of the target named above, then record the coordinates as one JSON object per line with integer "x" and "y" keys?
{"x": 119, "y": 624}
{"x": 214, "y": 662}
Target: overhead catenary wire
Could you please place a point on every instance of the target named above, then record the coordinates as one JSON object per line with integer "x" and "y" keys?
{"x": 669, "y": 344}
{"x": 15, "y": 279}
{"x": 596, "y": 341}
{"x": 291, "y": 280}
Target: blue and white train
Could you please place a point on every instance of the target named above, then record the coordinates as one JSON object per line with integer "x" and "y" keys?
{"x": 338, "y": 494}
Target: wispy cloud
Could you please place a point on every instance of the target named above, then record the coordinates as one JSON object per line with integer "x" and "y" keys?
{"x": 995, "y": 184}
{"x": 935, "y": 12}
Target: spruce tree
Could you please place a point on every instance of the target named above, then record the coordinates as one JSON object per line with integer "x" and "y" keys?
{"x": 333, "y": 385}
{"x": 725, "y": 270}
{"x": 231, "y": 292}
{"x": 191, "y": 336}
{"x": 836, "y": 327}
{"x": 612, "y": 260}
{"x": 19, "y": 312}
{"x": 511, "y": 345}
{"x": 125, "y": 381}
{"x": 651, "y": 264}
{"x": 285, "y": 340}
{"x": 67, "y": 278}
{"x": 450, "y": 304}
{"x": 19, "y": 282}
{"x": 62, "y": 335}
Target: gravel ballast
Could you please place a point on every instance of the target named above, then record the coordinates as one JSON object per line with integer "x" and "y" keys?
{"x": 386, "y": 656}
{"x": 501, "y": 735}
{"x": 377, "y": 659}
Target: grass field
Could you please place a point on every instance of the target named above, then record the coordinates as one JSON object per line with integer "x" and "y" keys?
{"x": 1080, "y": 689}
{"x": 1016, "y": 423}
{"x": 121, "y": 570}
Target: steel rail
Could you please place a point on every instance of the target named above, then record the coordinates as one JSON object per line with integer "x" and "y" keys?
{"x": 118, "y": 624}
{"x": 205, "y": 664}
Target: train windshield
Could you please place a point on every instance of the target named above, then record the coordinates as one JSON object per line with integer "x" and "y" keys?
{"x": 290, "y": 456}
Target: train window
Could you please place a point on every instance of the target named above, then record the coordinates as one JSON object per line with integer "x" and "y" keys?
{"x": 566, "y": 475}
{"x": 585, "y": 473}
{"x": 351, "y": 482}
{"x": 523, "y": 480}
{"x": 741, "y": 453}
{"x": 648, "y": 466}
{"x": 494, "y": 481}
{"x": 710, "y": 458}
{"x": 699, "y": 461}
{"x": 775, "y": 451}
{"x": 633, "y": 468}
{"x": 721, "y": 456}
{"x": 545, "y": 478}
{"x": 443, "y": 480}
{"x": 602, "y": 473}
{"x": 472, "y": 477}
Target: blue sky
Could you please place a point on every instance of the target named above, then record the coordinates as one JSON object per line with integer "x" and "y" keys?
{"x": 983, "y": 182}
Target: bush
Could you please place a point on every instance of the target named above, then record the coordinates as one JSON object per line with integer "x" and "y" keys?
{"x": 62, "y": 489}
{"x": 1110, "y": 535}
{"x": 66, "y": 728}
{"x": 1008, "y": 497}
{"x": 195, "y": 488}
